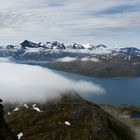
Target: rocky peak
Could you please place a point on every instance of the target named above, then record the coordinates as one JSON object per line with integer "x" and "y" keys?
{"x": 77, "y": 46}
{"x": 29, "y": 44}
{"x": 101, "y": 46}
{"x": 58, "y": 45}
{"x": 129, "y": 50}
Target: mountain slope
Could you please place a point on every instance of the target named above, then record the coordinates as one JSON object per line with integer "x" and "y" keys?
{"x": 70, "y": 118}
{"x": 115, "y": 67}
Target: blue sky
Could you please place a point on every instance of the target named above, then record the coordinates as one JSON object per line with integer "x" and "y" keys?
{"x": 115, "y": 23}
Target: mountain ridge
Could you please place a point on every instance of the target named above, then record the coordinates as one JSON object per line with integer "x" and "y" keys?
{"x": 69, "y": 117}
{"x": 50, "y": 45}
{"x": 90, "y": 60}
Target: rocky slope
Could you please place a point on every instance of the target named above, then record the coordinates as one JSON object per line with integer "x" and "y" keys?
{"x": 88, "y": 59}
{"x": 69, "y": 117}
{"x": 5, "y": 131}
{"x": 128, "y": 114}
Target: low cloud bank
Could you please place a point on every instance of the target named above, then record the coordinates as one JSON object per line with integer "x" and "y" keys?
{"x": 3, "y": 59}
{"x": 20, "y": 82}
{"x": 66, "y": 59}
{"x": 90, "y": 59}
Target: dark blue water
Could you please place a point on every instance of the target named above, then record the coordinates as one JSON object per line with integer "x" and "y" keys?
{"x": 119, "y": 90}
{"x": 135, "y": 114}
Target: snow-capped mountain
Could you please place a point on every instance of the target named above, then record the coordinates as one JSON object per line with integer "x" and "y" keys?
{"x": 130, "y": 50}
{"x": 57, "y": 49}
{"x": 76, "y": 57}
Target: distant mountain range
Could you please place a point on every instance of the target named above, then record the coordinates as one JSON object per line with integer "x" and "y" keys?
{"x": 88, "y": 59}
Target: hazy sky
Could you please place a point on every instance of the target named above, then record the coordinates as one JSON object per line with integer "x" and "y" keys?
{"x": 115, "y": 23}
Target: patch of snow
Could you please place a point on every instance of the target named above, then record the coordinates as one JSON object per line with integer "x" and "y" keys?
{"x": 108, "y": 56}
{"x": 25, "y": 105}
{"x": 9, "y": 113}
{"x": 17, "y": 47}
{"x": 90, "y": 59}
{"x": 129, "y": 57}
{"x": 54, "y": 50}
{"x": 67, "y": 123}
{"x": 36, "y": 108}
{"x": 33, "y": 50}
{"x": 87, "y": 46}
{"x": 66, "y": 59}
{"x": 20, "y": 135}
{"x": 47, "y": 45}
{"x": 103, "y": 57}
{"x": 114, "y": 54}
{"x": 16, "y": 109}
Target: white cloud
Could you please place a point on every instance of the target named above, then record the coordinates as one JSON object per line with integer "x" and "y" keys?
{"x": 33, "y": 83}
{"x": 66, "y": 59}
{"x": 4, "y": 59}
{"x": 67, "y": 20}
{"x": 90, "y": 59}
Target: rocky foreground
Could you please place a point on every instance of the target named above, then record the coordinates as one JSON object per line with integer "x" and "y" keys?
{"x": 127, "y": 114}
{"x": 68, "y": 118}
{"x": 5, "y": 131}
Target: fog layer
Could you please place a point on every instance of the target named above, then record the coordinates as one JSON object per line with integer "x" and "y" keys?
{"x": 20, "y": 82}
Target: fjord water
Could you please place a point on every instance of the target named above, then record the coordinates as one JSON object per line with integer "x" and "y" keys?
{"x": 118, "y": 90}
